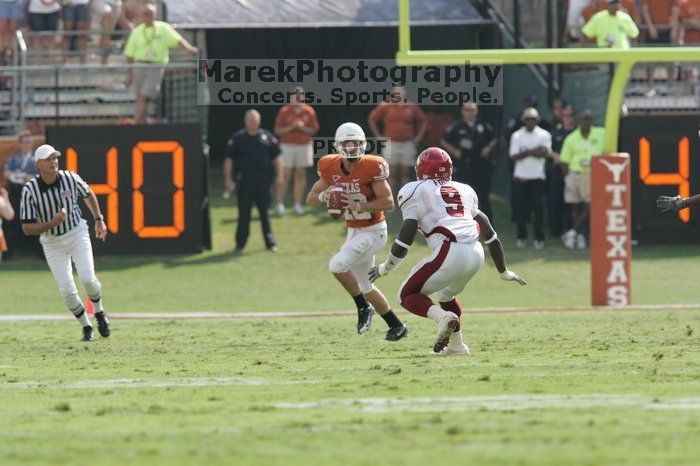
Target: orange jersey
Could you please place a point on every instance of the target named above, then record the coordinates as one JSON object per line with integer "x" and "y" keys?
{"x": 660, "y": 10}
{"x": 357, "y": 183}
{"x": 288, "y": 115}
{"x": 690, "y": 9}
{"x": 398, "y": 119}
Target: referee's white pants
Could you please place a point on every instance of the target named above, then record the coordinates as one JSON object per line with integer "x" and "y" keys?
{"x": 61, "y": 252}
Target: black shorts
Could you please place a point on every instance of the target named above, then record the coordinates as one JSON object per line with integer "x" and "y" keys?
{"x": 664, "y": 37}
{"x": 39, "y": 22}
{"x": 76, "y": 14}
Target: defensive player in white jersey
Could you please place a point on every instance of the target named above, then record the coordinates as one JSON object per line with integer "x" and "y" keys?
{"x": 447, "y": 213}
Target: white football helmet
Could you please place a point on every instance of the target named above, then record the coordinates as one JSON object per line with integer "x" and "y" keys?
{"x": 350, "y": 132}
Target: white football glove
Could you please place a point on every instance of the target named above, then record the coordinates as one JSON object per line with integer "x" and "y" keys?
{"x": 512, "y": 277}
{"x": 378, "y": 271}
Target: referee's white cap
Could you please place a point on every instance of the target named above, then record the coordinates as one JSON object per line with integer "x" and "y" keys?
{"x": 44, "y": 152}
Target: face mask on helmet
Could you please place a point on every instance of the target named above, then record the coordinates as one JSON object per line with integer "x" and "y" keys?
{"x": 351, "y": 149}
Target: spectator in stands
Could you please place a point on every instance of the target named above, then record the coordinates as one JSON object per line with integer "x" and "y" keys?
{"x": 11, "y": 12}
{"x": 555, "y": 172}
{"x": 596, "y": 6}
{"x": 687, "y": 15}
{"x": 471, "y": 141}
{"x": 515, "y": 122}
{"x": 150, "y": 43}
{"x": 530, "y": 146}
{"x": 574, "y": 20}
{"x": 438, "y": 122}
{"x": 76, "y": 16}
{"x": 556, "y": 109}
{"x": 294, "y": 126}
{"x": 106, "y": 14}
{"x": 18, "y": 170}
{"x": 43, "y": 16}
{"x": 661, "y": 31}
{"x": 579, "y": 146}
{"x": 611, "y": 28}
{"x": 6, "y": 213}
{"x": 133, "y": 11}
{"x": 404, "y": 124}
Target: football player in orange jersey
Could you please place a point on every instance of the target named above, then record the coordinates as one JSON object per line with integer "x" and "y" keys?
{"x": 367, "y": 195}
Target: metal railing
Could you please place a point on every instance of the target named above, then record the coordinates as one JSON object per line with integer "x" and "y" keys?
{"x": 51, "y": 76}
{"x": 73, "y": 89}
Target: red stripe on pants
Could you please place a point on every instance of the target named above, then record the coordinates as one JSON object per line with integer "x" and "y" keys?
{"x": 455, "y": 307}
{"x": 411, "y": 298}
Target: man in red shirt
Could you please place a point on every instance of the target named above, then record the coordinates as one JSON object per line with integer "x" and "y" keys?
{"x": 294, "y": 126}
{"x": 404, "y": 124}
{"x": 687, "y": 17}
{"x": 661, "y": 31}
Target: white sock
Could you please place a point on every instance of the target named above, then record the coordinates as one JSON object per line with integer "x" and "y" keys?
{"x": 85, "y": 320}
{"x": 97, "y": 304}
{"x": 456, "y": 338}
{"x": 436, "y": 313}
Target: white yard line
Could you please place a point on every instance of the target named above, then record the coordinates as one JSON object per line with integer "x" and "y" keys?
{"x": 496, "y": 403}
{"x": 281, "y": 315}
{"x": 153, "y": 383}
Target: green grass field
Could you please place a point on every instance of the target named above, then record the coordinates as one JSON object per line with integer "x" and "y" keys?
{"x": 541, "y": 388}
{"x": 616, "y": 388}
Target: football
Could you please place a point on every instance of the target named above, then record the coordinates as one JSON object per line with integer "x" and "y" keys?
{"x": 334, "y": 201}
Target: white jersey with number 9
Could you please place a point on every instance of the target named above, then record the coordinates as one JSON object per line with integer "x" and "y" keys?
{"x": 445, "y": 210}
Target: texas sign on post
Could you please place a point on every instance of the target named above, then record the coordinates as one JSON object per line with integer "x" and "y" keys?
{"x": 611, "y": 251}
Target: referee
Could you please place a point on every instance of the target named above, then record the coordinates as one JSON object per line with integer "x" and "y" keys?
{"x": 49, "y": 207}
{"x": 253, "y": 160}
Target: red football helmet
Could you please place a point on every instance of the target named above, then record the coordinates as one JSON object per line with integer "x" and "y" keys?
{"x": 434, "y": 163}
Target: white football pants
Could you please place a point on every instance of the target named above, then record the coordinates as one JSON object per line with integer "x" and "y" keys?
{"x": 61, "y": 252}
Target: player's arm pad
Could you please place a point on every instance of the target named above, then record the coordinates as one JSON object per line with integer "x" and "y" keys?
{"x": 399, "y": 249}
{"x": 398, "y": 253}
{"x": 407, "y": 235}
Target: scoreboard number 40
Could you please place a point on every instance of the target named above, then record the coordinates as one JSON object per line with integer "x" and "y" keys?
{"x": 111, "y": 187}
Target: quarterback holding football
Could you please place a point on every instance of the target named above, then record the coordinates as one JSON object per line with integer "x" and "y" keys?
{"x": 354, "y": 185}
{"x": 447, "y": 213}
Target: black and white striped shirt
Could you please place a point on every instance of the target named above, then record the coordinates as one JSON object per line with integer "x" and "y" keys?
{"x": 41, "y": 201}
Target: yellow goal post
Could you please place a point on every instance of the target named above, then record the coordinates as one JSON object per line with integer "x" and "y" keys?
{"x": 626, "y": 59}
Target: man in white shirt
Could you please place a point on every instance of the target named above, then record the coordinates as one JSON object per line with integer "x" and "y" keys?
{"x": 530, "y": 146}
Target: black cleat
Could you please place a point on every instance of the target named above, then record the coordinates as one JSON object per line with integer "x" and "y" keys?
{"x": 88, "y": 333}
{"x": 103, "y": 324}
{"x": 396, "y": 333}
{"x": 364, "y": 318}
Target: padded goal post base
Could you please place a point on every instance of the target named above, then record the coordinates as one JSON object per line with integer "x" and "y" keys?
{"x": 611, "y": 230}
